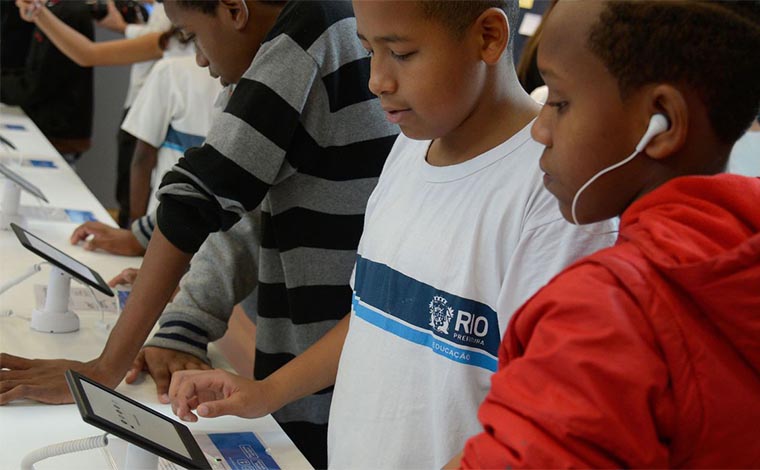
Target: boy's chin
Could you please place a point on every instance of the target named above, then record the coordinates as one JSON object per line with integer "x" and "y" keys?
{"x": 416, "y": 134}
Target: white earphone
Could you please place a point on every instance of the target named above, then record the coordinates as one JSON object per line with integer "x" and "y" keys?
{"x": 657, "y": 124}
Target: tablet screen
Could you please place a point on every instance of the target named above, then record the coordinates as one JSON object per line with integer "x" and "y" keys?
{"x": 22, "y": 182}
{"x": 131, "y": 418}
{"x": 61, "y": 259}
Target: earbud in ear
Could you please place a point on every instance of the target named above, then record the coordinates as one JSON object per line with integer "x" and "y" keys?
{"x": 658, "y": 124}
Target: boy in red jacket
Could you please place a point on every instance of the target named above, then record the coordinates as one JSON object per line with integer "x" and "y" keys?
{"x": 646, "y": 354}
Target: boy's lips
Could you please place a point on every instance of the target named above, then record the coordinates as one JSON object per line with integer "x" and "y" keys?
{"x": 395, "y": 115}
{"x": 547, "y": 177}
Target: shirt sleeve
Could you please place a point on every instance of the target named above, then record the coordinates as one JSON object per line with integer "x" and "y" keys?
{"x": 222, "y": 274}
{"x": 143, "y": 227}
{"x": 151, "y": 113}
{"x": 135, "y": 30}
{"x": 246, "y": 150}
{"x": 548, "y": 244}
{"x": 581, "y": 383}
{"x": 157, "y": 22}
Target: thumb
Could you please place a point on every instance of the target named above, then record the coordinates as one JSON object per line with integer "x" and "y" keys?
{"x": 212, "y": 409}
{"x": 137, "y": 366}
{"x": 91, "y": 243}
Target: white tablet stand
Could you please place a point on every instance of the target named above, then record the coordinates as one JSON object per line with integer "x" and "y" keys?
{"x": 9, "y": 209}
{"x": 56, "y": 316}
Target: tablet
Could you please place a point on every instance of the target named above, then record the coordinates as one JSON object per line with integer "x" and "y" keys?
{"x": 61, "y": 260}
{"x": 135, "y": 423}
{"x": 22, "y": 182}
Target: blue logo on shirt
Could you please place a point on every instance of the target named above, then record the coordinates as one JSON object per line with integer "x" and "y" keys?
{"x": 463, "y": 330}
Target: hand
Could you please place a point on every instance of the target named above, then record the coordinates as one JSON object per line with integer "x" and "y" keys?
{"x": 113, "y": 20}
{"x": 29, "y": 9}
{"x": 161, "y": 364}
{"x": 42, "y": 379}
{"x": 128, "y": 276}
{"x": 99, "y": 236}
{"x": 217, "y": 393}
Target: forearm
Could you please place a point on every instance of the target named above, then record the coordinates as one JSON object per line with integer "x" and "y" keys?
{"x": 143, "y": 162}
{"x": 87, "y": 53}
{"x": 310, "y": 372}
{"x": 238, "y": 345}
{"x": 162, "y": 268}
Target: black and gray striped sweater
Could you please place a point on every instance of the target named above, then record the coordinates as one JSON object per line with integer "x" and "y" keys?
{"x": 303, "y": 138}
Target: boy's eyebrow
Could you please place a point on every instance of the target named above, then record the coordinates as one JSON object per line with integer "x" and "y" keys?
{"x": 544, "y": 72}
{"x": 385, "y": 39}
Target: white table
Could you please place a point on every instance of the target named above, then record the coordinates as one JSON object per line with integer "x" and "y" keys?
{"x": 25, "y": 425}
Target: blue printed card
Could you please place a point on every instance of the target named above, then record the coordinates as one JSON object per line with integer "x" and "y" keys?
{"x": 243, "y": 451}
{"x": 79, "y": 217}
{"x": 42, "y": 163}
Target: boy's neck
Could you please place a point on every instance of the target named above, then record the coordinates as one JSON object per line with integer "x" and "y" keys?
{"x": 496, "y": 119}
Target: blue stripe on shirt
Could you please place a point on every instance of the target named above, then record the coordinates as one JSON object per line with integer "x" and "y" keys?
{"x": 181, "y": 141}
{"x": 460, "y": 329}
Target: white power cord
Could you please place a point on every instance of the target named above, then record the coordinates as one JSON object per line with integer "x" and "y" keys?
{"x": 102, "y": 324}
{"x": 61, "y": 448}
{"x": 30, "y": 272}
{"x": 7, "y": 285}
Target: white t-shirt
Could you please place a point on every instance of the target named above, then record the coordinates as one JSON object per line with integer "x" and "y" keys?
{"x": 173, "y": 112}
{"x": 157, "y": 22}
{"x": 443, "y": 250}
{"x": 745, "y": 156}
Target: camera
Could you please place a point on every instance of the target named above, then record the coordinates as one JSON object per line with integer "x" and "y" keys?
{"x": 131, "y": 10}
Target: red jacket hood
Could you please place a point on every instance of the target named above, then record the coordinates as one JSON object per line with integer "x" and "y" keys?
{"x": 702, "y": 233}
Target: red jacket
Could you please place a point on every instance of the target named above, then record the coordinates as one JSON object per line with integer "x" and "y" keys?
{"x": 646, "y": 354}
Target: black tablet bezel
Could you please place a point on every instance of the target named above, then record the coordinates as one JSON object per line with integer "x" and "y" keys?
{"x": 198, "y": 459}
{"x": 22, "y": 182}
{"x": 100, "y": 285}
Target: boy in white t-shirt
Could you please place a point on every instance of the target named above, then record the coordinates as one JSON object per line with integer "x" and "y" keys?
{"x": 172, "y": 113}
{"x": 458, "y": 233}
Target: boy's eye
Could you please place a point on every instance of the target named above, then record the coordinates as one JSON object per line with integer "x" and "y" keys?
{"x": 402, "y": 57}
{"x": 558, "y": 105}
{"x": 370, "y": 52}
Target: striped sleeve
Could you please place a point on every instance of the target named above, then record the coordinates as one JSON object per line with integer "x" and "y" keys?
{"x": 142, "y": 228}
{"x": 199, "y": 314}
{"x": 245, "y": 151}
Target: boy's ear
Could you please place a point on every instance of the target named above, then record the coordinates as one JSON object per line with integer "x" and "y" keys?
{"x": 493, "y": 31}
{"x": 235, "y": 11}
{"x": 668, "y": 100}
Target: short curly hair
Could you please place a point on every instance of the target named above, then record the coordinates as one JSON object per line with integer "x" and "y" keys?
{"x": 712, "y": 47}
{"x": 458, "y": 15}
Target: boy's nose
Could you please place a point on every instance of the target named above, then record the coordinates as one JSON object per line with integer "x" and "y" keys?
{"x": 200, "y": 58}
{"x": 540, "y": 130}
{"x": 380, "y": 81}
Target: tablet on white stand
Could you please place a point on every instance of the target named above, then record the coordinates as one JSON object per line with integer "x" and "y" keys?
{"x": 150, "y": 434}
{"x": 12, "y": 187}
{"x": 56, "y": 317}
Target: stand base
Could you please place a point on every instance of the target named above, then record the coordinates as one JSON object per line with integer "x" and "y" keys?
{"x": 7, "y": 219}
{"x": 64, "y": 322}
